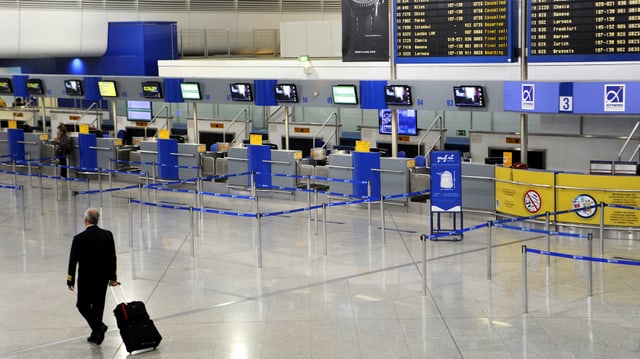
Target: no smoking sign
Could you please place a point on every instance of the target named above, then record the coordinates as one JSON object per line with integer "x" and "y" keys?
{"x": 532, "y": 201}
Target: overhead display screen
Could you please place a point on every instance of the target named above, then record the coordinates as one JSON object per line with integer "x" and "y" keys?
{"x": 578, "y": 30}
{"x": 454, "y": 31}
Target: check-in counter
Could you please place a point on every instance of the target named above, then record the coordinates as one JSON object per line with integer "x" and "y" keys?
{"x": 340, "y": 167}
{"x": 34, "y": 145}
{"x": 395, "y": 176}
{"x": 189, "y": 156}
{"x": 149, "y": 153}
{"x": 238, "y": 162}
{"x": 284, "y": 162}
{"x": 106, "y": 151}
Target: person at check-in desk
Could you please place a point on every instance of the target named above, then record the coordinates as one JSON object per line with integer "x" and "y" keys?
{"x": 18, "y": 102}
{"x": 63, "y": 148}
{"x": 93, "y": 251}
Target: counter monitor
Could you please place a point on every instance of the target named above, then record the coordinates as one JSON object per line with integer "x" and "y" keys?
{"x": 472, "y": 96}
{"x": 190, "y": 91}
{"x": 398, "y": 95}
{"x": 344, "y": 94}
{"x": 73, "y": 87}
{"x": 241, "y": 92}
{"x": 107, "y": 88}
{"x": 5, "y": 86}
{"x": 35, "y": 87}
{"x": 139, "y": 111}
{"x": 286, "y": 93}
{"x": 151, "y": 89}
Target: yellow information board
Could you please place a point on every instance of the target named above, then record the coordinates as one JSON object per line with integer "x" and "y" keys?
{"x": 583, "y": 191}
{"x": 12, "y": 124}
{"x": 524, "y": 193}
{"x": 255, "y": 139}
{"x": 83, "y": 128}
{"x": 507, "y": 159}
{"x": 363, "y": 146}
{"x": 164, "y": 134}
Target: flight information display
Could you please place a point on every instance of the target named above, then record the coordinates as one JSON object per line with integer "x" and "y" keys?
{"x": 579, "y": 30}
{"x": 454, "y": 31}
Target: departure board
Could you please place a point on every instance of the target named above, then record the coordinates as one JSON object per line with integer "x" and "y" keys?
{"x": 454, "y": 31}
{"x": 579, "y": 30}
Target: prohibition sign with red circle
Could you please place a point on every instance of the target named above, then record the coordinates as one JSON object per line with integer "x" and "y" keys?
{"x": 532, "y": 201}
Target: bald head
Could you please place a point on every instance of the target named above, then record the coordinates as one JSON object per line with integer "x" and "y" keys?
{"x": 91, "y": 216}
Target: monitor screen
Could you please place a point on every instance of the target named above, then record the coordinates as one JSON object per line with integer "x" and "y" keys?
{"x": 151, "y": 89}
{"x": 35, "y": 87}
{"x": 344, "y": 94}
{"x": 190, "y": 91}
{"x": 139, "y": 111}
{"x": 5, "y": 86}
{"x": 407, "y": 122}
{"x": 468, "y": 96}
{"x": 398, "y": 95}
{"x": 108, "y": 88}
{"x": 73, "y": 87}
{"x": 286, "y": 93}
{"x": 241, "y": 92}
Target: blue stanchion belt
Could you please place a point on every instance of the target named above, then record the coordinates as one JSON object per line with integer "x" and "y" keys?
{"x": 583, "y": 258}
{"x": 9, "y": 186}
{"x": 623, "y": 207}
{"x": 542, "y": 231}
{"x": 456, "y": 232}
{"x": 109, "y": 190}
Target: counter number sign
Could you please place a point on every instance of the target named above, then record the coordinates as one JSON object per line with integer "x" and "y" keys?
{"x": 566, "y": 103}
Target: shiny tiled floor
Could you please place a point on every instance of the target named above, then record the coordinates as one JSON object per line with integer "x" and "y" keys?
{"x": 364, "y": 299}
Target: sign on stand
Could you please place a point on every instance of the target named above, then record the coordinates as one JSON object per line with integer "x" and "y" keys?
{"x": 446, "y": 193}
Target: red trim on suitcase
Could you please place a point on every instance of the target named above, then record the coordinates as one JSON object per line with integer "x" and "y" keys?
{"x": 124, "y": 311}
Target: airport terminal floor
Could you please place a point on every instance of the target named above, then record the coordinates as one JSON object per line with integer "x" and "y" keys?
{"x": 363, "y": 299}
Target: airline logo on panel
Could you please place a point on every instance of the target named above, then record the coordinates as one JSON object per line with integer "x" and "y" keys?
{"x": 528, "y": 97}
{"x": 614, "y": 96}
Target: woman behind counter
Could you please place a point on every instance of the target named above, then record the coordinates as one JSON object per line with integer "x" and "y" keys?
{"x": 63, "y": 148}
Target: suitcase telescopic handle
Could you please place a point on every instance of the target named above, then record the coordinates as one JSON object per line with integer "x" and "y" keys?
{"x": 115, "y": 297}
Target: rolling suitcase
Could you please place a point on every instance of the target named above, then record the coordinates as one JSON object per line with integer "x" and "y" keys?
{"x": 136, "y": 327}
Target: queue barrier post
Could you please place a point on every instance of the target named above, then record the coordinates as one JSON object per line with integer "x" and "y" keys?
{"x": 15, "y": 174}
{"x": 590, "y": 263}
{"x": 602, "y": 205}
{"x": 192, "y": 246}
{"x": 547, "y": 228}
{"x": 140, "y": 204}
{"x": 489, "y": 250}
{"x": 382, "y": 224}
{"x": 423, "y": 238}
{"x": 324, "y": 229}
{"x": 525, "y": 293}
{"x": 369, "y": 202}
{"x": 131, "y": 225}
{"x": 24, "y": 216}
{"x": 315, "y": 212}
{"x": 41, "y": 194}
{"x": 100, "y": 185}
{"x": 259, "y": 239}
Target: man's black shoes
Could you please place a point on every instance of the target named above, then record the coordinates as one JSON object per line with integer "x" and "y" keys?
{"x": 99, "y": 336}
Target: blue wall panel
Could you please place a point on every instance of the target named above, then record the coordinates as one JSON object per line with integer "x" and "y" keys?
{"x": 16, "y": 145}
{"x": 167, "y": 162}
{"x": 372, "y": 95}
{"x": 258, "y": 154}
{"x": 88, "y": 155}
{"x": 363, "y": 162}
{"x": 264, "y": 93}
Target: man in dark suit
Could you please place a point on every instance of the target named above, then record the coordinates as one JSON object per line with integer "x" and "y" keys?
{"x": 95, "y": 252}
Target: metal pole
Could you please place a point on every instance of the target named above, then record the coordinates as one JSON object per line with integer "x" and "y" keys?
{"x": 590, "y": 269}
{"x": 192, "y": 246}
{"x": 29, "y": 172}
{"x": 315, "y": 193}
{"x": 369, "y": 202}
{"x": 259, "y": 241}
{"x": 324, "y": 228}
{"x": 382, "y": 224}
{"x": 423, "y": 238}
{"x": 41, "y": 195}
{"x": 308, "y": 198}
{"x": 75, "y": 207}
{"x": 100, "y": 185}
{"x": 525, "y": 294}
{"x": 524, "y": 75}
{"x": 140, "y": 204}
{"x": 131, "y": 225}
{"x": 55, "y": 180}
{"x": 24, "y": 216}
{"x": 111, "y": 176}
{"x": 15, "y": 174}
{"x": 489, "y": 250}
{"x": 195, "y": 122}
{"x": 602, "y": 228}
{"x": 547, "y": 228}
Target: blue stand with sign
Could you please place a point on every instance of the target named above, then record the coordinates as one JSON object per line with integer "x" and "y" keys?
{"x": 446, "y": 192}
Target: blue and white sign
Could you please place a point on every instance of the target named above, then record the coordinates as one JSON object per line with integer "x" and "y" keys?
{"x": 614, "y": 97}
{"x": 528, "y": 97}
{"x": 446, "y": 181}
